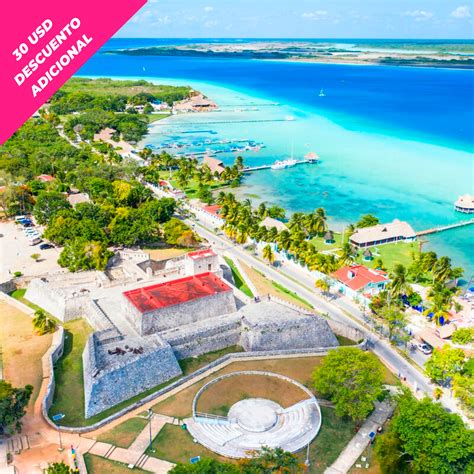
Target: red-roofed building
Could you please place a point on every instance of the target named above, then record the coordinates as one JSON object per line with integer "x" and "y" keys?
{"x": 45, "y": 178}
{"x": 175, "y": 303}
{"x": 212, "y": 214}
{"x": 360, "y": 281}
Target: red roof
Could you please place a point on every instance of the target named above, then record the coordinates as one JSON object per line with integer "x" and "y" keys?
{"x": 175, "y": 292}
{"x": 214, "y": 209}
{"x": 359, "y": 276}
{"x": 201, "y": 254}
{"x": 45, "y": 177}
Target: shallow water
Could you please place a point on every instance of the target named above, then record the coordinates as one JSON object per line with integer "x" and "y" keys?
{"x": 396, "y": 142}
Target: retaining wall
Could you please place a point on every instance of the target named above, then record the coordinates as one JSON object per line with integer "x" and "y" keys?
{"x": 197, "y": 375}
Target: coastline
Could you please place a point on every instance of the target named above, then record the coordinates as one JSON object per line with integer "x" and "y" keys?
{"x": 423, "y": 208}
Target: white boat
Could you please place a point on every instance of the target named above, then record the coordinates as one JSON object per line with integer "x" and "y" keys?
{"x": 322, "y": 93}
{"x": 283, "y": 164}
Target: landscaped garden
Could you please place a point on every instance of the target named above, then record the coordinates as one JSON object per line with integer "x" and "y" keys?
{"x": 100, "y": 465}
{"x": 125, "y": 433}
{"x": 238, "y": 279}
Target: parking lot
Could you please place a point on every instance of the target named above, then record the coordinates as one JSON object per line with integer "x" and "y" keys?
{"x": 15, "y": 253}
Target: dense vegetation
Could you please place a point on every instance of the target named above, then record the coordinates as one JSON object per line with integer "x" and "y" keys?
{"x": 424, "y": 438}
{"x": 13, "y": 403}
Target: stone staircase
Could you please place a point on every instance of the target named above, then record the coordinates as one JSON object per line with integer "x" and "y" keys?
{"x": 17, "y": 444}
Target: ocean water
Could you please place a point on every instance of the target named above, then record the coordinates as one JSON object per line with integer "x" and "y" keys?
{"x": 396, "y": 142}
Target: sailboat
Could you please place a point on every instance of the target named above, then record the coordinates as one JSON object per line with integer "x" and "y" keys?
{"x": 322, "y": 93}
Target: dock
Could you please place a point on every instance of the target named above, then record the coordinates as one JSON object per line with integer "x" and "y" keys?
{"x": 249, "y": 169}
{"x": 435, "y": 230}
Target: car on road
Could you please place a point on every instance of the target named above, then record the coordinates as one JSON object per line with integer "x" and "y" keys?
{"x": 46, "y": 246}
{"x": 425, "y": 348}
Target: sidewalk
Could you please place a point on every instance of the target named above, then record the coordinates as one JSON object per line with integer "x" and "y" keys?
{"x": 359, "y": 442}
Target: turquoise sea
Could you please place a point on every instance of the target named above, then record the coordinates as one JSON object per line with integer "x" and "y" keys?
{"x": 393, "y": 141}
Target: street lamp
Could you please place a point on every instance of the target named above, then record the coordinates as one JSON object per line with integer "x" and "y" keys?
{"x": 307, "y": 463}
{"x": 57, "y": 418}
{"x": 150, "y": 414}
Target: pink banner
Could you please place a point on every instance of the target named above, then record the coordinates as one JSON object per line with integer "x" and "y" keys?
{"x": 44, "y": 43}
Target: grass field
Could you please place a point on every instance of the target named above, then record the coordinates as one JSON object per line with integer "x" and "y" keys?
{"x": 321, "y": 246}
{"x": 124, "y": 434}
{"x": 99, "y": 465}
{"x": 371, "y": 460}
{"x": 334, "y": 435}
{"x": 176, "y": 445}
{"x": 21, "y": 349}
{"x": 238, "y": 279}
{"x": 269, "y": 287}
{"x": 155, "y": 117}
{"x": 219, "y": 397}
{"x": 391, "y": 254}
{"x": 69, "y": 391}
{"x": 191, "y": 189}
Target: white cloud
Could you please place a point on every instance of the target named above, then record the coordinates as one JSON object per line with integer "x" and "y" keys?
{"x": 461, "y": 12}
{"x": 316, "y": 15}
{"x": 419, "y": 15}
{"x": 210, "y": 24}
{"x": 208, "y": 9}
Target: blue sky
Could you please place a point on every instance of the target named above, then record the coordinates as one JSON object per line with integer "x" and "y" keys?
{"x": 303, "y": 19}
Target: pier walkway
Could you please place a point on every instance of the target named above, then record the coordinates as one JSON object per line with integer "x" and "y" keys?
{"x": 217, "y": 122}
{"x": 249, "y": 169}
{"x": 443, "y": 228}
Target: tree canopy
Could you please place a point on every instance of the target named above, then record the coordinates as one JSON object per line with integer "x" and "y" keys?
{"x": 13, "y": 403}
{"x": 351, "y": 379}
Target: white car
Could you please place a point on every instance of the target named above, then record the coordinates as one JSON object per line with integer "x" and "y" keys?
{"x": 425, "y": 348}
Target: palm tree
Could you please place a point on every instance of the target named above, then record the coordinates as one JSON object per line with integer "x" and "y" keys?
{"x": 323, "y": 285}
{"x": 42, "y": 323}
{"x": 346, "y": 254}
{"x": 429, "y": 260}
{"x": 297, "y": 222}
{"x": 268, "y": 254}
{"x": 442, "y": 270}
{"x": 399, "y": 285}
{"x": 262, "y": 210}
{"x": 284, "y": 239}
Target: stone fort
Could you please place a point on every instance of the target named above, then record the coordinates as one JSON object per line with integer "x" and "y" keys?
{"x": 149, "y": 315}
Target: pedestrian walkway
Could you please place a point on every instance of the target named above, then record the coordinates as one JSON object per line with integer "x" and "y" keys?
{"x": 360, "y": 441}
{"x": 135, "y": 454}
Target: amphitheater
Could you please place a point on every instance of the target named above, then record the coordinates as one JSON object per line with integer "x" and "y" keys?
{"x": 255, "y": 422}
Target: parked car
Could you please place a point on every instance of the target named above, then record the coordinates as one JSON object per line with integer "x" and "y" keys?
{"x": 46, "y": 246}
{"x": 35, "y": 240}
{"x": 425, "y": 348}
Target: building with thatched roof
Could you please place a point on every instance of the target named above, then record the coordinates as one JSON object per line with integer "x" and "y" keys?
{"x": 215, "y": 165}
{"x": 367, "y": 255}
{"x": 465, "y": 204}
{"x": 380, "y": 234}
{"x": 329, "y": 237}
{"x": 270, "y": 222}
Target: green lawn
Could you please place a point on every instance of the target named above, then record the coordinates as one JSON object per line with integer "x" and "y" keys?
{"x": 192, "y": 187}
{"x": 345, "y": 341}
{"x": 292, "y": 294}
{"x": 192, "y": 364}
{"x": 69, "y": 388}
{"x": 321, "y": 246}
{"x": 391, "y": 254}
{"x": 155, "y": 117}
{"x": 333, "y": 437}
{"x": 238, "y": 279}
{"x": 174, "y": 444}
{"x": 99, "y": 465}
{"x": 125, "y": 433}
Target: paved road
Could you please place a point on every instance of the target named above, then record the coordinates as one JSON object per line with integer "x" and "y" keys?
{"x": 286, "y": 276}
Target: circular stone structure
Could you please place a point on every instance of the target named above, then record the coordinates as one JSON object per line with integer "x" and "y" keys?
{"x": 255, "y": 414}
{"x": 252, "y": 423}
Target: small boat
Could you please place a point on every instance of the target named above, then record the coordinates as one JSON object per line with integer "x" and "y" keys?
{"x": 322, "y": 93}
{"x": 283, "y": 164}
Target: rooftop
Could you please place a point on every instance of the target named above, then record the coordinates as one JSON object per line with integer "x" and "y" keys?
{"x": 359, "y": 276}
{"x": 214, "y": 164}
{"x": 465, "y": 202}
{"x": 214, "y": 210}
{"x": 176, "y": 292}
{"x": 45, "y": 178}
{"x": 383, "y": 232}
{"x": 205, "y": 253}
{"x": 270, "y": 222}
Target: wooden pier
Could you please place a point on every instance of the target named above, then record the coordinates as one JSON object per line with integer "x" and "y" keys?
{"x": 443, "y": 228}
{"x": 249, "y": 169}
